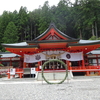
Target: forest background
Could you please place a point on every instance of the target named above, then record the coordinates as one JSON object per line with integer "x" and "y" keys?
{"x": 78, "y": 20}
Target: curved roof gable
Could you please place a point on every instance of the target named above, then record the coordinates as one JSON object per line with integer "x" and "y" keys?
{"x": 52, "y": 33}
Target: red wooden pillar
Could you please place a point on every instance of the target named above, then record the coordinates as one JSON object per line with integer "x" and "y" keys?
{"x": 37, "y": 69}
{"x": 8, "y": 74}
{"x": 69, "y": 65}
{"x": 83, "y": 64}
{"x": 9, "y": 69}
{"x": 24, "y": 64}
{"x": 20, "y": 75}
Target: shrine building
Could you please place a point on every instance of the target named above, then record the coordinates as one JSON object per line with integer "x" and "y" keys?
{"x": 54, "y": 44}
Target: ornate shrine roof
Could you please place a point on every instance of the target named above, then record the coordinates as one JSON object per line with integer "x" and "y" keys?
{"x": 52, "y": 39}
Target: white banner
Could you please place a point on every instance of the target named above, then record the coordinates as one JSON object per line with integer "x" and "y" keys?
{"x": 63, "y": 55}
{"x": 72, "y": 56}
{"x": 34, "y": 58}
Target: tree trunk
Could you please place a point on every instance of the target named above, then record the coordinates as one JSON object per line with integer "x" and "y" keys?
{"x": 25, "y": 34}
{"x": 31, "y": 31}
{"x": 80, "y": 34}
{"x": 76, "y": 2}
{"x": 93, "y": 30}
{"x": 96, "y": 30}
{"x": 34, "y": 31}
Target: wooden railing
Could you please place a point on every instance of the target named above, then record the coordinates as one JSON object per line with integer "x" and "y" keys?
{"x": 5, "y": 69}
{"x": 84, "y": 67}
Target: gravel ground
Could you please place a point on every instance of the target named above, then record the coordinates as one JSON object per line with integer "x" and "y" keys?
{"x": 79, "y": 88}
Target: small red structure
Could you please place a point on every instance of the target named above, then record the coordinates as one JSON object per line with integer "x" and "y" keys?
{"x": 54, "y": 44}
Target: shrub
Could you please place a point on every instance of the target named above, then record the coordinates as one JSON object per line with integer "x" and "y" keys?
{"x": 1, "y": 65}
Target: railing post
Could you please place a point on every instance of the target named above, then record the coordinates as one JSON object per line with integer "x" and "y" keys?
{"x": 87, "y": 73}
{"x": 37, "y": 69}
{"x": 8, "y": 73}
{"x": 83, "y": 64}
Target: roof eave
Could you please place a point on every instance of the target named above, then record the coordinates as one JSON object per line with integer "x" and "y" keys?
{"x": 53, "y": 41}
{"x": 28, "y": 46}
{"x": 83, "y": 44}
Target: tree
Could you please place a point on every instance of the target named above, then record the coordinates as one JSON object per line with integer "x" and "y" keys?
{"x": 91, "y": 10}
{"x": 45, "y": 18}
{"x": 86, "y": 17}
{"x": 22, "y": 23}
{"x": 10, "y": 34}
{"x": 63, "y": 17}
{"x": 34, "y": 17}
{"x": 4, "y": 20}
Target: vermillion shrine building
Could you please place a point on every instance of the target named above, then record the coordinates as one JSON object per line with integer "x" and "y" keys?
{"x": 54, "y": 44}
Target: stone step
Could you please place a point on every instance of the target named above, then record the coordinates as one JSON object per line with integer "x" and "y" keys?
{"x": 54, "y": 75}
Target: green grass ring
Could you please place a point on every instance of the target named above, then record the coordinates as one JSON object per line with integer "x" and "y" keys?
{"x": 53, "y": 61}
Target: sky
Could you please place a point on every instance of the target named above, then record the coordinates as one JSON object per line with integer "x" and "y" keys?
{"x": 11, "y": 5}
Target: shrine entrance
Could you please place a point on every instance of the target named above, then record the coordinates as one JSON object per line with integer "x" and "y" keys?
{"x": 54, "y": 65}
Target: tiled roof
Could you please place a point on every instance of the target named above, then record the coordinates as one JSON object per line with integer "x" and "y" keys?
{"x": 8, "y": 54}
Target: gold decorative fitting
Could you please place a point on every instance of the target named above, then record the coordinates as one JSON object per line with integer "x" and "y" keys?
{"x": 53, "y": 56}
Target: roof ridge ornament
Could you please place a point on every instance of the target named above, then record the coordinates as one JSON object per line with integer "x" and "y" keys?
{"x": 52, "y": 24}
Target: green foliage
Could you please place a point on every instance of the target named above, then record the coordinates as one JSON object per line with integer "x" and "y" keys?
{"x": 10, "y": 34}
{"x": 45, "y": 18}
{"x": 1, "y": 65}
{"x": 94, "y": 38}
{"x": 22, "y": 23}
{"x": 98, "y": 38}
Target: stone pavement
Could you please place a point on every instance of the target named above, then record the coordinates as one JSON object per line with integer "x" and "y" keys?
{"x": 79, "y": 88}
